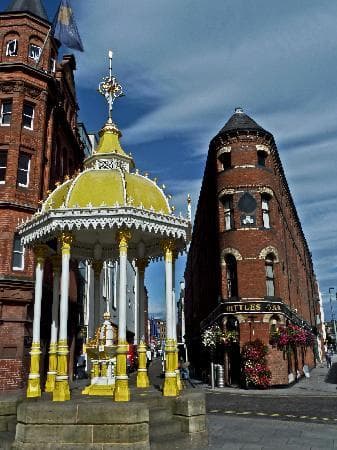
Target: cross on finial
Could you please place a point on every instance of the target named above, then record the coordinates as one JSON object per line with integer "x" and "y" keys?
{"x": 110, "y": 88}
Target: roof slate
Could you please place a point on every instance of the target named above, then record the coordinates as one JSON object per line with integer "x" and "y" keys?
{"x": 240, "y": 121}
{"x": 35, "y": 7}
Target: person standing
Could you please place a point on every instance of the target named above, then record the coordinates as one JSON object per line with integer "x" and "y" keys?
{"x": 148, "y": 357}
{"x": 328, "y": 357}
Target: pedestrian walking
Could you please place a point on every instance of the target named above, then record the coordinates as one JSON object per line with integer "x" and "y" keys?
{"x": 328, "y": 357}
{"x": 148, "y": 357}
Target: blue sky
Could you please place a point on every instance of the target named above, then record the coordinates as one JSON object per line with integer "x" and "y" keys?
{"x": 186, "y": 65}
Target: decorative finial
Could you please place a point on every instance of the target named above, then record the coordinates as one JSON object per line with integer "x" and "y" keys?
{"x": 110, "y": 88}
{"x": 189, "y": 207}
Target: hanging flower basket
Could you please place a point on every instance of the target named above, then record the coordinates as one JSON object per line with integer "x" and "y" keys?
{"x": 229, "y": 337}
{"x": 211, "y": 337}
{"x": 291, "y": 336}
{"x": 255, "y": 371}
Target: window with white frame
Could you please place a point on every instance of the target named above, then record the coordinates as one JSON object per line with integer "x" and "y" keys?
{"x": 28, "y": 116}
{"x": 34, "y": 52}
{"x": 231, "y": 275}
{"x": 53, "y": 65}
{"x": 12, "y": 47}
{"x": 23, "y": 170}
{"x": 227, "y": 202}
{"x": 18, "y": 254}
{"x": 6, "y": 113}
{"x": 3, "y": 166}
{"x": 265, "y": 211}
{"x": 270, "y": 279}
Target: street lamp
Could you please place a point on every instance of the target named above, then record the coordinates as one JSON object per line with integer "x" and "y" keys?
{"x": 333, "y": 315}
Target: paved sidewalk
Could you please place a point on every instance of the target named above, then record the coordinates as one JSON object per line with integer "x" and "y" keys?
{"x": 322, "y": 382}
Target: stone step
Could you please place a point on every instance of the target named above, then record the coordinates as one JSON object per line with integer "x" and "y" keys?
{"x": 168, "y": 426}
{"x": 6, "y": 440}
{"x": 179, "y": 441}
{"x": 159, "y": 414}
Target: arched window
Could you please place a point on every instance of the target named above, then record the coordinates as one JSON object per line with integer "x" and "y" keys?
{"x": 227, "y": 202}
{"x": 35, "y": 48}
{"x": 12, "y": 47}
{"x": 231, "y": 276}
{"x": 265, "y": 200}
{"x": 270, "y": 277}
{"x": 274, "y": 325}
{"x": 11, "y": 43}
{"x": 261, "y": 158}
{"x": 53, "y": 62}
{"x": 18, "y": 254}
{"x": 225, "y": 160}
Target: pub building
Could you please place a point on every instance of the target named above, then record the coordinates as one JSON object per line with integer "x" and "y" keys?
{"x": 249, "y": 268}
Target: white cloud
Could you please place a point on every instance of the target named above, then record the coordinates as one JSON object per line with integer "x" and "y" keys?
{"x": 190, "y": 63}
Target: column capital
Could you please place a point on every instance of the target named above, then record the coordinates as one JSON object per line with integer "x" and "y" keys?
{"x": 40, "y": 252}
{"x": 123, "y": 237}
{"x": 56, "y": 263}
{"x": 168, "y": 246}
{"x": 141, "y": 264}
{"x": 65, "y": 240}
{"x": 97, "y": 266}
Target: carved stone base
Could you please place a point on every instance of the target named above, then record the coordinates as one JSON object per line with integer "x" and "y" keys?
{"x": 142, "y": 379}
{"x": 61, "y": 392}
{"x": 122, "y": 391}
{"x": 33, "y": 388}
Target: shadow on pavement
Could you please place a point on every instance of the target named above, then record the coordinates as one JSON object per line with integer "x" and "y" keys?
{"x": 332, "y": 375}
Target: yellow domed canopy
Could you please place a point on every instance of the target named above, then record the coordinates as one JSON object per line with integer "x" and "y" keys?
{"x": 108, "y": 188}
{"x": 107, "y": 182}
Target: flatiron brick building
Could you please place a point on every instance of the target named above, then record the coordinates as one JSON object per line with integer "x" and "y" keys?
{"x": 249, "y": 267}
{"x": 39, "y": 146}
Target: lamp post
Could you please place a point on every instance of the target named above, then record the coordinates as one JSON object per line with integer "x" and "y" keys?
{"x": 333, "y": 315}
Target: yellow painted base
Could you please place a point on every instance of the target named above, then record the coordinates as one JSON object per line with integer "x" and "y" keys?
{"x": 142, "y": 380}
{"x": 61, "y": 392}
{"x": 33, "y": 388}
{"x": 52, "y": 368}
{"x": 50, "y": 383}
{"x": 122, "y": 391}
{"x": 99, "y": 389}
{"x": 170, "y": 388}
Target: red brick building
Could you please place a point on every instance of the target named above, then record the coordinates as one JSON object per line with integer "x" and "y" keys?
{"x": 249, "y": 267}
{"x": 39, "y": 145}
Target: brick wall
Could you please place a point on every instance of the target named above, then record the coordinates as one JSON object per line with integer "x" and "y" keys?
{"x": 55, "y": 151}
{"x": 206, "y": 271}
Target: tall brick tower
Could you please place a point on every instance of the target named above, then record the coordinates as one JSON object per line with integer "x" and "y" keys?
{"x": 39, "y": 145}
{"x": 249, "y": 267}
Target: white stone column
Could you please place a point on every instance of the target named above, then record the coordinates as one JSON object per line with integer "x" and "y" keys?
{"x": 170, "y": 383}
{"x": 61, "y": 391}
{"x": 174, "y": 331}
{"x": 142, "y": 376}
{"x": 52, "y": 370}
{"x": 174, "y": 303}
{"x": 34, "y": 388}
{"x": 137, "y": 334}
{"x": 141, "y": 264}
{"x": 97, "y": 268}
{"x": 122, "y": 391}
